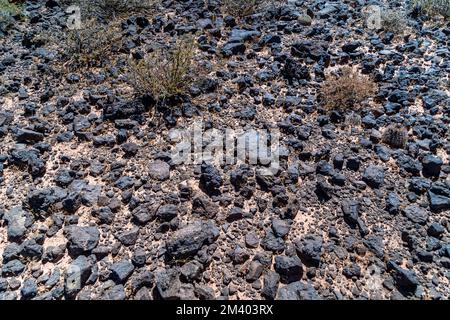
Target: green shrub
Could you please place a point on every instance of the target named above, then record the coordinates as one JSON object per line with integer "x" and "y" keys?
{"x": 163, "y": 73}
{"x": 7, "y": 7}
{"x": 8, "y": 11}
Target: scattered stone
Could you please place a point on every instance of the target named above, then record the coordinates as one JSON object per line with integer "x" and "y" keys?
{"x": 81, "y": 239}
{"x": 309, "y": 249}
{"x": 159, "y": 170}
{"x": 431, "y": 165}
{"x": 289, "y": 268}
{"x": 12, "y": 268}
{"x": 304, "y": 20}
{"x": 270, "y": 287}
{"x": 167, "y": 212}
{"x": 94, "y": 207}
{"x": 129, "y": 237}
{"x": 18, "y": 221}
{"x": 210, "y": 179}
{"x": 439, "y": 196}
{"x": 405, "y": 280}
{"x": 239, "y": 255}
{"x": 435, "y": 230}
{"x": 416, "y": 214}
{"x": 187, "y": 241}
{"x": 29, "y": 289}
{"x": 298, "y": 291}
{"x": 373, "y": 176}
{"x": 255, "y": 271}
{"x": 76, "y": 275}
{"x": 280, "y": 227}
{"x": 121, "y": 271}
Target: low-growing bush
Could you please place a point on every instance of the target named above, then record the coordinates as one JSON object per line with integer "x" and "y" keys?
{"x": 90, "y": 46}
{"x": 8, "y": 7}
{"x": 434, "y": 7}
{"x": 241, "y": 8}
{"x": 8, "y": 11}
{"x": 394, "y": 21}
{"x": 163, "y": 73}
{"x": 346, "y": 90}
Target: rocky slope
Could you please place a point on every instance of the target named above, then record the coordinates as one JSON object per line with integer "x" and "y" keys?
{"x": 92, "y": 207}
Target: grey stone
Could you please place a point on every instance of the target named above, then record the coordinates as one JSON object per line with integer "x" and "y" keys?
{"x": 159, "y": 170}
{"x": 373, "y": 176}
{"x": 121, "y": 270}
{"x": 18, "y": 221}
{"x": 167, "y": 212}
{"x": 304, "y": 20}
{"x": 416, "y": 214}
{"x": 29, "y": 289}
{"x": 298, "y": 291}
{"x": 13, "y": 268}
{"x": 289, "y": 268}
{"x": 76, "y": 275}
{"x": 187, "y": 241}
{"x": 81, "y": 239}
{"x": 270, "y": 286}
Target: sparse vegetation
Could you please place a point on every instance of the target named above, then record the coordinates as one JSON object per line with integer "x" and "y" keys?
{"x": 7, "y": 7}
{"x": 394, "y": 21}
{"x": 91, "y": 45}
{"x": 395, "y": 135}
{"x": 111, "y": 8}
{"x": 100, "y": 36}
{"x": 241, "y": 8}
{"x": 347, "y": 90}
{"x": 180, "y": 153}
{"x": 434, "y": 8}
{"x": 7, "y": 12}
{"x": 163, "y": 73}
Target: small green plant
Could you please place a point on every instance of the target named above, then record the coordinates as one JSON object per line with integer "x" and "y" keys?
{"x": 434, "y": 8}
{"x": 394, "y": 21}
{"x": 7, "y": 7}
{"x": 8, "y": 11}
{"x": 163, "y": 73}
{"x": 346, "y": 90}
{"x": 395, "y": 135}
{"x": 92, "y": 45}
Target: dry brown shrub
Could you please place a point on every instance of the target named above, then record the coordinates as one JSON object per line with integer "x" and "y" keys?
{"x": 92, "y": 45}
{"x": 242, "y": 8}
{"x": 347, "y": 90}
{"x": 394, "y": 21}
